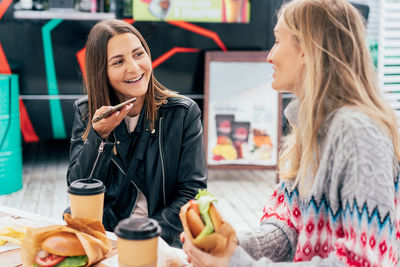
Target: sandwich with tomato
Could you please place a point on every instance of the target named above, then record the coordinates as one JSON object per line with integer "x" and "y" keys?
{"x": 203, "y": 224}
{"x": 82, "y": 242}
{"x": 62, "y": 249}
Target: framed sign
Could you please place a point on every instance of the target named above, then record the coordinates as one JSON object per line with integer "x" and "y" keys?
{"x": 216, "y": 11}
{"x": 242, "y": 113}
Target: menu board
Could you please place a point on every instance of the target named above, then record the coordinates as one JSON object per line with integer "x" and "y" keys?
{"x": 242, "y": 111}
{"x": 224, "y": 11}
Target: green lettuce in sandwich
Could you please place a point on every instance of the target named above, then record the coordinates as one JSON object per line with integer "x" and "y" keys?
{"x": 203, "y": 224}
{"x": 61, "y": 249}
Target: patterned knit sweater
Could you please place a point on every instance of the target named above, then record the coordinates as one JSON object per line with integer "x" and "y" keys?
{"x": 351, "y": 215}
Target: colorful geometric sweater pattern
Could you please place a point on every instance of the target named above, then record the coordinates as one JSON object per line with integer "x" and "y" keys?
{"x": 356, "y": 235}
{"x": 350, "y": 216}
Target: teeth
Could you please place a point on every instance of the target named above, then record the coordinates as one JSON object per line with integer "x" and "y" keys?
{"x": 134, "y": 80}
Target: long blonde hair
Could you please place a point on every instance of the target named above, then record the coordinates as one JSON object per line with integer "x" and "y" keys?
{"x": 338, "y": 72}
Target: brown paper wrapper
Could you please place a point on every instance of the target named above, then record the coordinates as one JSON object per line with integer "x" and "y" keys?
{"x": 215, "y": 243}
{"x": 90, "y": 233}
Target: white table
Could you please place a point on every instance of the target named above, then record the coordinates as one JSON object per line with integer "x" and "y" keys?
{"x": 10, "y": 253}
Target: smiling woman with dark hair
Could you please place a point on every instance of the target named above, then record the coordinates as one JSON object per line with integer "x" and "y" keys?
{"x": 150, "y": 154}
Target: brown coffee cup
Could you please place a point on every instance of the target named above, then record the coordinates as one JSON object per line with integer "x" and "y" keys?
{"x": 87, "y": 198}
{"x": 137, "y": 242}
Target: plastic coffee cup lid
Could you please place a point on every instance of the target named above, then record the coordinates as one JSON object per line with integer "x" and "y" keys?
{"x": 86, "y": 187}
{"x": 137, "y": 228}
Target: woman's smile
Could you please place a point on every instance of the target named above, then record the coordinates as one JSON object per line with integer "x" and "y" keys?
{"x": 134, "y": 80}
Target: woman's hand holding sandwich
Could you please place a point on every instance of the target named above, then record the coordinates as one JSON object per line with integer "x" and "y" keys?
{"x": 208, "y": 239}
{"x": 199, "y": 258}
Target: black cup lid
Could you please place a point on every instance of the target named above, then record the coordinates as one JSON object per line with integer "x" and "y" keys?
{"x": 137, "y": 228}
{"x": 86, "y": 187}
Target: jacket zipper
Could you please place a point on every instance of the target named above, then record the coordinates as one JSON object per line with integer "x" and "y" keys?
{"x": 119, "y": 167}
{"x": 101, "y": 148}
{"x": 162, "y": 158}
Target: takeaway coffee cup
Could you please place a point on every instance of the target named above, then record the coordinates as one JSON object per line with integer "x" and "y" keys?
{"x": 137, "y": 242}
{"x": 87, "y": 198}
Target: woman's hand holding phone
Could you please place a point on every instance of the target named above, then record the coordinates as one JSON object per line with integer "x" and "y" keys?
{"x": 113, "y": 109}
{"x": 106, "y": 125}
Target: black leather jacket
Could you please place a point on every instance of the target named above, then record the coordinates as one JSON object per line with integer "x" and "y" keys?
{"x": 168, "y": 164}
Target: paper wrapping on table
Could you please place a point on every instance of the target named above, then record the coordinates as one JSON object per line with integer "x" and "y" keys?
{"x": 90, "y": 233}
{"x": 215, "y": 243}
{"x": 170, "y": 256}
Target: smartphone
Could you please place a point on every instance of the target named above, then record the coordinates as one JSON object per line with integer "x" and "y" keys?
{"x": 113, "y": 109}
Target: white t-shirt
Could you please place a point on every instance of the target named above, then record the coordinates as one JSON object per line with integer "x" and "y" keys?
{"x": 131, "y": 123}
{"x": 141, "y": 204}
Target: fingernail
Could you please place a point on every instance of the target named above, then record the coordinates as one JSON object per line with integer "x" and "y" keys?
{"x": 117, "y": 113}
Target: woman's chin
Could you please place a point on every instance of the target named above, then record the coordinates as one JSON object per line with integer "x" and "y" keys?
{"x": 282, "y": 89}
{"x": 275, "y": 86}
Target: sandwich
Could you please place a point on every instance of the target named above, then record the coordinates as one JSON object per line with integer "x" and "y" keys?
{"x": 61, "y": 249}
{"x": 82, "y": 242}
{"x": 203, "y": 224}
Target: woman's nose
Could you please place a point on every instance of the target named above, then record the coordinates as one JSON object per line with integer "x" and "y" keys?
{"x": 132, "y": 65}
{"x": 269, "y": 57}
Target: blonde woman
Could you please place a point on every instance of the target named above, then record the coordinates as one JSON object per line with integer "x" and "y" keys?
{"x": 337, "y": 204}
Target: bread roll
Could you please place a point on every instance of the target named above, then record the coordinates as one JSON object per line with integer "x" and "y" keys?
{"x": 195, "y": 222}
{"x": 214, "y": 243}
{"x": 215, "y": 217}
{"x": 63, "y": 244}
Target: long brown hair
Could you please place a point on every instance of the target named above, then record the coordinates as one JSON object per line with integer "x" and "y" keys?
{"x": 100, "y": 93}
{"x": 338, "y": 72}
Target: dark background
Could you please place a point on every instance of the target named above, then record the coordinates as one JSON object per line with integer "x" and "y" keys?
{"x": 21, "y": 40}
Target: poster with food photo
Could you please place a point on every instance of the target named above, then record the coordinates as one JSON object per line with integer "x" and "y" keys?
{"x": 242, "y": 111}
{"x": 217, "y": 11}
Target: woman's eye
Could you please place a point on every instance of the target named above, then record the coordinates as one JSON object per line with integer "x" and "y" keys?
{"x": 139, "y": 54}
{"x": 117, "y": 62}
